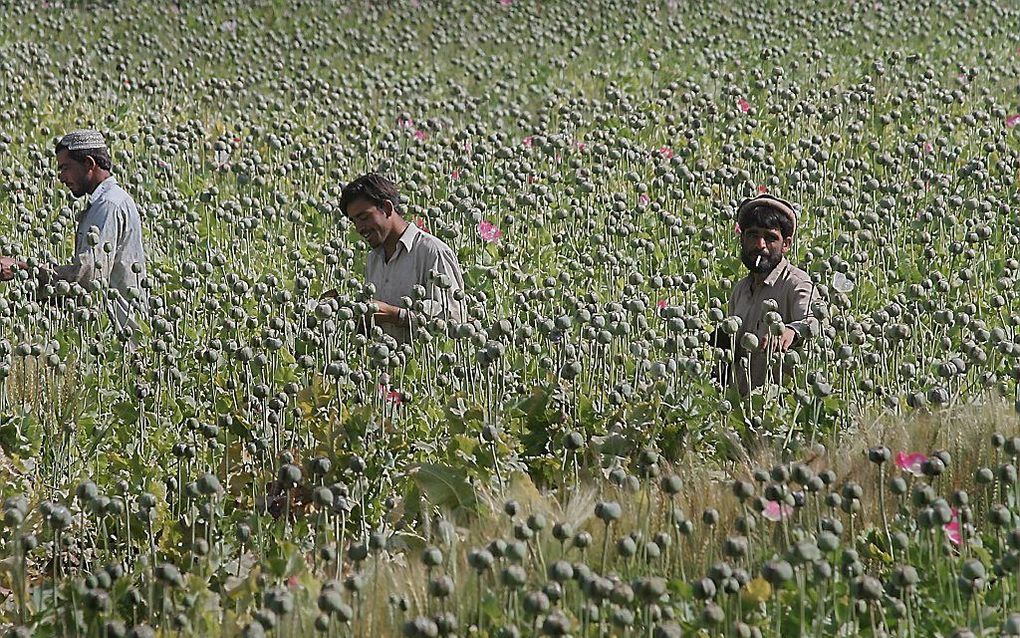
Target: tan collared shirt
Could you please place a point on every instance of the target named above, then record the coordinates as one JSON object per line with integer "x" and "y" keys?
{"x": 793, "y": 293}
{"x": 425, "y": 260}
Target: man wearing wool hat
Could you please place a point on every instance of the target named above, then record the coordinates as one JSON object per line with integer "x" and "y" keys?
{"x": 774, "y": 300}
{"x": 108, "y": 248}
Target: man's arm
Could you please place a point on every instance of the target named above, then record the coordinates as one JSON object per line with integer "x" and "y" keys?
{"x": 440, "y": 295}
{"x": 95, "y": 260}
{"x": 388, "y": 313}
{"x": 7, "y": 266}
{"x": 445, "y": 279}
{"x": 804, "y": 294}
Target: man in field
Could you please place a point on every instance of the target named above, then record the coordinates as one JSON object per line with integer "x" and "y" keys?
{"x": 108, "y": 250}
{"x": 403, "y": 256}
{"x": 774, "y": 300}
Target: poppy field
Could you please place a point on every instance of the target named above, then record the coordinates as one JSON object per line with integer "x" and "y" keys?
{"x": 566, "y": 461}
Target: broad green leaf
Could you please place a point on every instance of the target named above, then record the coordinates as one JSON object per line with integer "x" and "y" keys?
{"x": 445, "y": 487}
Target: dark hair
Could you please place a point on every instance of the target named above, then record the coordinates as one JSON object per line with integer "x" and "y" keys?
{"x": 372, "y": 187}
{"x": 768, "y": 218}
{"x": 100, "y": 155}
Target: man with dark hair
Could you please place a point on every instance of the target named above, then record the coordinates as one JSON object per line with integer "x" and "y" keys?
{"x": 403, "y": 258}
{"x": 108, "y": 251}
{"x": 774, "y": 300}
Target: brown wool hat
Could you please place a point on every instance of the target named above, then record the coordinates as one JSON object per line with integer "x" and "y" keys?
{"x": 768, "y": 201}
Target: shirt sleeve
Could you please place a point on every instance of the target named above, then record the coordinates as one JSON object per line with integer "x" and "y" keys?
{"x": 803, "y": 295}
{"x": 95, "y": 258}
{"x": 440, "y": 298}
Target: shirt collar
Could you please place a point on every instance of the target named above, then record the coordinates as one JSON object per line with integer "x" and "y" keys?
{"x": 407, "y": 239}
{"x": 777, "y": 272}
{"x": 410, "y": 233}
{"x": 104, "y": 186}
{"x": 773, "y": 277}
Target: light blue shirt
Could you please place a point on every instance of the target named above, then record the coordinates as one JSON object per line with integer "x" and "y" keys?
{"x": 108, "y": 250}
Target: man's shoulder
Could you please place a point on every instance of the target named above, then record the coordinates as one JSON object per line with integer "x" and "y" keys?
{"x": 115, "y": 196}
{"x": 742, "y": 283}
{"x": 797, "y": 275}
{"x": 431, "y": 245}
{"x": 122, "y": 195}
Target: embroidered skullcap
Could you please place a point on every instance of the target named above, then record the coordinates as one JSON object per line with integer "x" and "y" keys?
{"x": 768, "y": 201}
{"x": 83, "y": 140}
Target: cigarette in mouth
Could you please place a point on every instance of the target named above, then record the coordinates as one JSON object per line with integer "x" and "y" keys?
{"x": 757, "y": 261}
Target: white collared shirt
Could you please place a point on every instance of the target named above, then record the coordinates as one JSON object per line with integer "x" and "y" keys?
{"x": 418, "y": 253}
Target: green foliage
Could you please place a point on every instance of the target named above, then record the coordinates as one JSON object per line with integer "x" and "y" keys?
{"x": 607, "y": 145}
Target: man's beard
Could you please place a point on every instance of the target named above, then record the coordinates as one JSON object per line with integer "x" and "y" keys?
{"x": 765, "y": 265}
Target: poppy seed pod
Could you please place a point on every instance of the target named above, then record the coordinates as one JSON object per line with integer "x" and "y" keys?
{"x": 289, "y": 475}
{"x": 879, "y": 455}
{"x": 608, "y": 511}
{"x": 777, "y": 572}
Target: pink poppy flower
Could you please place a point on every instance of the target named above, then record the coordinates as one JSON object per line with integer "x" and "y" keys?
{"x": 581, "y": 146}
{"x": 776, "y": 512}
{"x": 744, "y": 105}
{"x": 421, "y": 135}
{"x": 1013, "y": 120}
{"x": 643, "y": 199}
{"x": 455, "y": 174}
{"x": 390, "y": 396}
{"x": 911, "y": 463}
{"x": 666, "y": 152}
{"x": 952, "y": 529}
{"x": 526, "y": 142}
{"x": 405, "y": 123}
{"x": 506, "y": 3}
{"x": 736, "y": 229}
{"x": 420, "y": 223}
{"x": 661, "y": 304}
{"x": 762, "y": 189}
{"x": 928, "y": 148}
{"x": 488, "y": 231}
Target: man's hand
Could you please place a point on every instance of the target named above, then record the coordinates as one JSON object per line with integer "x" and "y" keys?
{"x": 783, "y": 341}
{"x": 386, "y": 313}
{"x": 7, "y": 266}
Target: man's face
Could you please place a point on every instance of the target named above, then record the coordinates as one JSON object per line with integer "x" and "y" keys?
{"x": 370, "y": 220}
{"x": 768, "y": 244}
{"x": 74, "y": 175}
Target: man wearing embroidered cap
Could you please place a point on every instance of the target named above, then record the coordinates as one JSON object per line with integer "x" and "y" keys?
{"x": 108, "y": 248}
{"x": 774, "y": 300}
